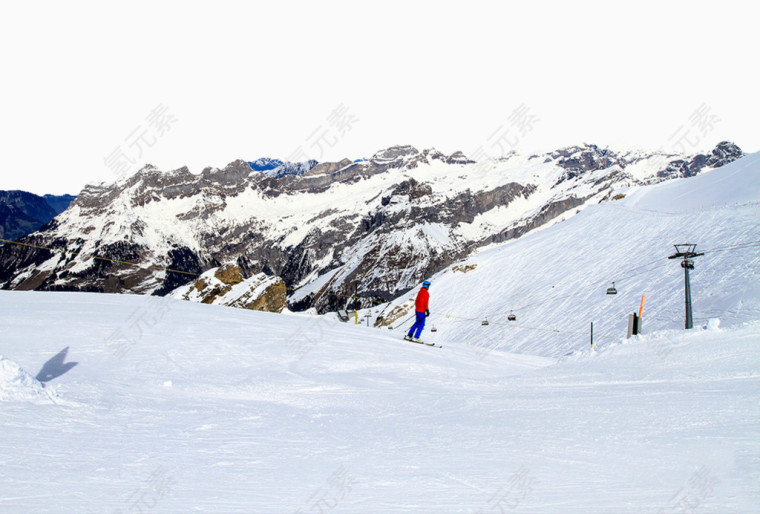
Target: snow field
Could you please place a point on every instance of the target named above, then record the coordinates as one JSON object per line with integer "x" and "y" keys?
{"x": 190, "y": 407}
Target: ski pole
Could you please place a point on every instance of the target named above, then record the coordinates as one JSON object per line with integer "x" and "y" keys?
{"x": 402, "y": 322}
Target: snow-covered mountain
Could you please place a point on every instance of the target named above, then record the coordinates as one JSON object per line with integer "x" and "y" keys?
{"x": 278, "y": 169}
{"x": 154, "y": 404}
{"x": 371, "y": 229}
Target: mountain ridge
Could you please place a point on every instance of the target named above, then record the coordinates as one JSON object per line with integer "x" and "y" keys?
{"x": 376, "y": 226}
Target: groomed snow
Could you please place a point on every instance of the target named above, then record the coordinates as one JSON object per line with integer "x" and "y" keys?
{"x": 182, "y": 407}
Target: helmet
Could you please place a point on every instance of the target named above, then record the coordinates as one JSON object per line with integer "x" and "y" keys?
{"x": 426, "y": 284}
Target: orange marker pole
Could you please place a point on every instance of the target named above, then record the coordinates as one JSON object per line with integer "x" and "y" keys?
{"x": 641, "y": 309}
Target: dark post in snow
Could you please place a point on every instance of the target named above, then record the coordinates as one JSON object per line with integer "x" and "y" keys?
{"x": 634, "y": 326}
{"x": 687, "y": 252}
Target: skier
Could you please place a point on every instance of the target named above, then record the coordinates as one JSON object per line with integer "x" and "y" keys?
{"x": 421, "y": 312}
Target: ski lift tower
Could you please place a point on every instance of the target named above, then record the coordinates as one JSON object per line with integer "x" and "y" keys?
{"x": 686, "y": 251}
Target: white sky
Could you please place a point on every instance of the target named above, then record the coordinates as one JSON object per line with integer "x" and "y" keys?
{"x": 246, "y": 80}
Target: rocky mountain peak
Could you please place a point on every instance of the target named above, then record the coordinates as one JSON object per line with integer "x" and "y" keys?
{"x": 724, "y": 153}
{"x": 587, "y": 157}
{"x": 239, "y": 165}
{"x": 277, "y": 169}
{"x": 328, "y": 167}
{"x": 235, "y": 173}
{"x": 458, "y": 158}
{"x": 265, "y": 164}
{"x": 394, "y": 153}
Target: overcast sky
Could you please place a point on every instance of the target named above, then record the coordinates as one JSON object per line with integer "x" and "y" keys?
{"x": 93, "y": 89}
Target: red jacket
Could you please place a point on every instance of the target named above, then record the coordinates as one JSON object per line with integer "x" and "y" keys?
{"x": 421, "y": 304}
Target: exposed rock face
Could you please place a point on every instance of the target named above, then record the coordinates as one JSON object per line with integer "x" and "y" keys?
{"x": 371, "y": 229}
{"x": 229, "y": 275}
{"x": 458, "y": 158}
{"x": 291, "y": 168}
{"x": 395, "y": 154}
{"x": 724, "y": 153}
{"x": 578, "y": 160}
{"x": 226, "y": 286}
{"x": 329, "y": 167}
{"x": 272, "y": 299}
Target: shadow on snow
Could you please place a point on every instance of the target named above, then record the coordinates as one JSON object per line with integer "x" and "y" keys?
{"x": 55, "y": 367}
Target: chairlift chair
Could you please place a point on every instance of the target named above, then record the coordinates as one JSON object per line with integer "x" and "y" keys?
{"x": 484, "y": 322}
{"x": 433, "y": 329}
{"x": 511, "y": 316}
{"x": 612, "y": 290}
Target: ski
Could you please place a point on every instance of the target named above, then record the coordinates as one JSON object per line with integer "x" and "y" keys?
{"x": 422, "y": 342}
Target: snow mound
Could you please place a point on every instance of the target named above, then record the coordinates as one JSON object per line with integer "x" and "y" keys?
{"x": 16, "y": 385}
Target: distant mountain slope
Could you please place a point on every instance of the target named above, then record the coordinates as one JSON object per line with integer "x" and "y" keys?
{"x": 22, "y": 213}
{"x": 59, "y": 203}
{"x": 278, "y": 169}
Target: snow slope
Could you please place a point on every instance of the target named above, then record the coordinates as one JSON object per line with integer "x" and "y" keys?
{"x": 554, "y": 280}
{"x": 180, "y": 407}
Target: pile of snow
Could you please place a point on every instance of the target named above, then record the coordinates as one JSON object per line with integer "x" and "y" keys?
{"x": 16, "y": 385}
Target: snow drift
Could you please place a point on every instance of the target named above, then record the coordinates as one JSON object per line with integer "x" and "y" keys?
{"x": 16, "y": 385}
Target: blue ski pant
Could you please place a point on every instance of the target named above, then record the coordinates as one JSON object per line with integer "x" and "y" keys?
{"x": 419, "y": 324}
